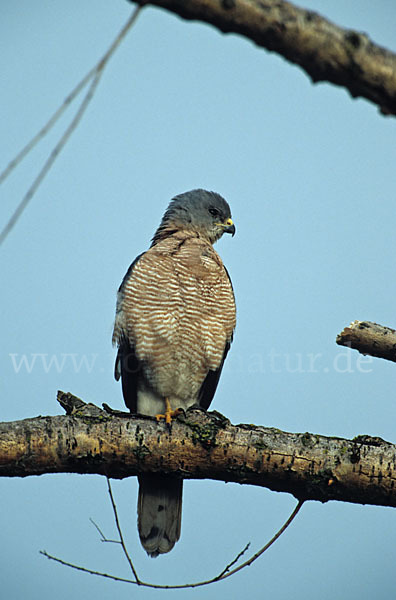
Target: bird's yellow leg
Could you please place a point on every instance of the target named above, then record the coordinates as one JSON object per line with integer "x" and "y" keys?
{"x": 169, "y": 413}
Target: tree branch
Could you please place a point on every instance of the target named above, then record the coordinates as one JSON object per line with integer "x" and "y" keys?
{"x": 369, "y": 338}
{"x": 200, "y": 445}
{"x": 94, "y": 75}
{"x": 229, "y": 570}
{"x": 326, "y": 52}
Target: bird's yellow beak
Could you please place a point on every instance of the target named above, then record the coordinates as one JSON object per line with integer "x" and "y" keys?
{"x": 229, "y": 227}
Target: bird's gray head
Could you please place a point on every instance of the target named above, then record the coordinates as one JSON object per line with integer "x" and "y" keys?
{"x": 204, "y": 213}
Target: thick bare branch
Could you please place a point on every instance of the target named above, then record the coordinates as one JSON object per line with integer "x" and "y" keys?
{"x": 325, "y": 51}
{"x": 369, "y": 338}
{"x": 200, "y": 445}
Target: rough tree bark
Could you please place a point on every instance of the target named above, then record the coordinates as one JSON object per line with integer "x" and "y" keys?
{"x": 200, "y": 445}
{"x": 325, "y": 51}
{"x": 369, "y": 338}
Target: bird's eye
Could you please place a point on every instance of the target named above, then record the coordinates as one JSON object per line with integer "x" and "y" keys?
{"x": 214, "y": 212}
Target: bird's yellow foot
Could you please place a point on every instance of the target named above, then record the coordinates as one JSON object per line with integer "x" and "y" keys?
{"x": 169, "y": 413}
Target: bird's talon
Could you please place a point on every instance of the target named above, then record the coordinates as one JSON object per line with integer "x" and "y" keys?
{"x": 169, "y": 414}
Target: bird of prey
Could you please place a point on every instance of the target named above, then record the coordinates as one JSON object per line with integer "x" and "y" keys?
{"x": 174, "y": 324}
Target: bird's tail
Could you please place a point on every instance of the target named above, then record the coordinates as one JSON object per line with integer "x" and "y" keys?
{"x": 159, "y": 512}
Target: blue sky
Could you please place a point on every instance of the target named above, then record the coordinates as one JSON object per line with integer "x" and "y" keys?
{"x": 309, "y": 174}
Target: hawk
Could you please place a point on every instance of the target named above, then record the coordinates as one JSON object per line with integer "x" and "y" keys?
{"x": 174, "y": 324}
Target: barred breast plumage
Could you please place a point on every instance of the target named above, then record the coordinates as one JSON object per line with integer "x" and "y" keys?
{"x": 178, "y": 310}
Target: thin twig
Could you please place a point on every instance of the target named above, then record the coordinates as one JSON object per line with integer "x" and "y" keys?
{"x": 124, "y": 548}
{"x": 233, "y": 562}
{"x": 222, "y": 575}
{"x": 51, "y": 159}
{"x": 102, "y": 535}
{"x": 95, "y": 73}
{"x": 267, "y": 545}
{"x": 69, "y": 98}
{"x": 85, "y": 570}
{"x": 47, "y": 127}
